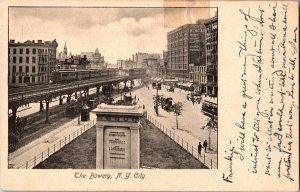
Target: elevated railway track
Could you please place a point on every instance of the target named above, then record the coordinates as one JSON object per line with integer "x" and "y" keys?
{"x": 26, "y": 95}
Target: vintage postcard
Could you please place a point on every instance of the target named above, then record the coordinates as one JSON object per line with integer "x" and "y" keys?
{"x": 149, "y": 95}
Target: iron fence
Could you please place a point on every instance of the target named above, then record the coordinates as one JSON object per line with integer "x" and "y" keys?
{"x": 55, "y": 147}
{"x": 193, "y": 150}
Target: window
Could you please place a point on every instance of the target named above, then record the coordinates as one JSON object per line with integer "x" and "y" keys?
{"x": 33, "y": 59}
{"x": 27, "y": 69}
{"x": 33, "y": 51}
{"x": 14, "y": 69}
{"x": 15, "y": 51}
{"x": 8, "y": 50}
{"x": 14, "y": 79}
{"x": 27, "y": 51}
{"x": 21, "y": 50}
{"x": 32, "y": 79}
{"x": 14, "y": 60}
{"x": 20, "y": 79}
{"x": 20, "y": 59}
{"x": 20, "y": 69}
{"x": 27, "y": 59}
{"x": 33, "y": 69}
{"x": 26, "y": 79}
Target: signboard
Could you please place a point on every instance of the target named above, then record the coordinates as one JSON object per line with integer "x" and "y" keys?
{"x": 116, "y": 148}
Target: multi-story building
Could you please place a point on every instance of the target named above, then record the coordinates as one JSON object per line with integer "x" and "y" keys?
{"x": 139, "y": 59}
{"x": 212, "y": 56}
{"x": 186, "y": 47}
{"x": 96, "y": 61}
{"x": 125, "y": 64}
{"x": 31, "y": 62}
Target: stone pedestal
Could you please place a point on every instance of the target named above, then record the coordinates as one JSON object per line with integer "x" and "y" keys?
{"x": 118, "y": 138}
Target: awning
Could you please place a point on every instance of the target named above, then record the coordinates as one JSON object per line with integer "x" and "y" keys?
{"x": 171, "y": 80}
{"x": 157, "y": 79}
{"x": 187, "y": 84}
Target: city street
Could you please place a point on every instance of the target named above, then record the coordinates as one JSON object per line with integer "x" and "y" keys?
{"x": 191, "y": 121}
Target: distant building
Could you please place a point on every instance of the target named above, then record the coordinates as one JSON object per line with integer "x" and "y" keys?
{"x": 212, "y": 56}
{"x": 125, "y": 64}
{"x": 186, "y": 46}
{"x": 31, "y": 62}
{"x": 64, "y": 54}
{"x": 95, "y": 59}
{"x": 139, "y": 59}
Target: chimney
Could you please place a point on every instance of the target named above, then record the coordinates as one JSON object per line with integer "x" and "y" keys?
{"x": 40, "y": 41}
{"x": 33, "y": 41}
{"x": 12, "y": 41}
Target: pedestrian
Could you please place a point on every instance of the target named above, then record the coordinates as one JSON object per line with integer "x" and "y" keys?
{"x": 205, "y": 145}
{"x": 199, "y": 148}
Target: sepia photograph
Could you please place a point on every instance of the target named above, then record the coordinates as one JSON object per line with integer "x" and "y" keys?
{"x": 149, "y": 95}
{"x": 113, "y": 88}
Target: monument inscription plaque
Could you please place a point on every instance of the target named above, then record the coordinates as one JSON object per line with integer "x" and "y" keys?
{"x": 118, "y": 139}
{"x": 116, "y": 148}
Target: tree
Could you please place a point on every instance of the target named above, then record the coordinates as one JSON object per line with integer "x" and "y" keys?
{"x": 211, "y": 125}
{"x": 177, "y": 109}
{"x": 156, "y": 102}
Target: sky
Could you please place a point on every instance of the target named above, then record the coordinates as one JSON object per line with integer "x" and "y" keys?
{"x": 116, "y": 32}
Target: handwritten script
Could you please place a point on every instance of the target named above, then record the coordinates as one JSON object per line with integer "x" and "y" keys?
{"x": 267, "y": 53}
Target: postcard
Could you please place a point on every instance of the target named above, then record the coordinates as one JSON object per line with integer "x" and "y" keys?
{"x": 149, "y": 95}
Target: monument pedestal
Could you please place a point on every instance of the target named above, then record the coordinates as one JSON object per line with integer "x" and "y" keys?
{"x": 118, "y": 137}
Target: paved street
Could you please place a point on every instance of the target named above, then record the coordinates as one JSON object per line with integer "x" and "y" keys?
{"x": 191, "y": 122}
{"x": 190, "y": 125}
{"x": 192, "y": 119}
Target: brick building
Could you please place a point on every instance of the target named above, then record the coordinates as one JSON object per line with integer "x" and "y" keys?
{"x": 186, "y": 47}
{"x": 212, "y": 56}
{"x": 31, "y": 62}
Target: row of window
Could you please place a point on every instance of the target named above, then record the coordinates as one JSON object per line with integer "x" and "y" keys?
{"x": 212, "y": 47}
{"x": 27, "y": 59}
{"x": 212, "y": 78}
{"x": 27, "y": 79}
{"x": 27, "y": 51}
{"x": 27, "y": 69}
{"x": 212, "y": 58}
{"x": 212, "y": 37}
{"x": 212, "y": 27}
{"x": 20, "y": 50}
{"x": 200, "y": 69}
{"x": 14, "y": 69}
{"x": 198, "y": 77}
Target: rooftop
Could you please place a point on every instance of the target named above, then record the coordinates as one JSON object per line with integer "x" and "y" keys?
{"x": 115, "y": 109}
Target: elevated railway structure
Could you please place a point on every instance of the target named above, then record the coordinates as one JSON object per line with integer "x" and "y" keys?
{"x": 39, "y": 93}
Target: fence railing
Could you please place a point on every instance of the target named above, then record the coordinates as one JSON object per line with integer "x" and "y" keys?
{"x": 55, "y": 147}
{"x": 193, "y": 150}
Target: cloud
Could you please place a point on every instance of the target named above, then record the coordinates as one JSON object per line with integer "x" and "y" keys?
{"x": 116, "y": 32}
{"x": 83, "y": 17}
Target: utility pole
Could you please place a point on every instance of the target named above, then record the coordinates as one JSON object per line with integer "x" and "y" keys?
{"x": 156, "y": 103}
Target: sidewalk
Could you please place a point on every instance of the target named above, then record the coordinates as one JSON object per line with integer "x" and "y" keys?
{"x": 40, "y": 149}
{"x": 188, "y": 142}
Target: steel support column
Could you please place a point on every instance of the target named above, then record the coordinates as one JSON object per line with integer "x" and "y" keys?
{"x": 69, "y": 97}
{"x": 47, "y": 111}
{"x": 60, "y": 100}
{"x": 14, "y": 114}
{"x": 98, "y": 92}
{"x": 41, "y": 106}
